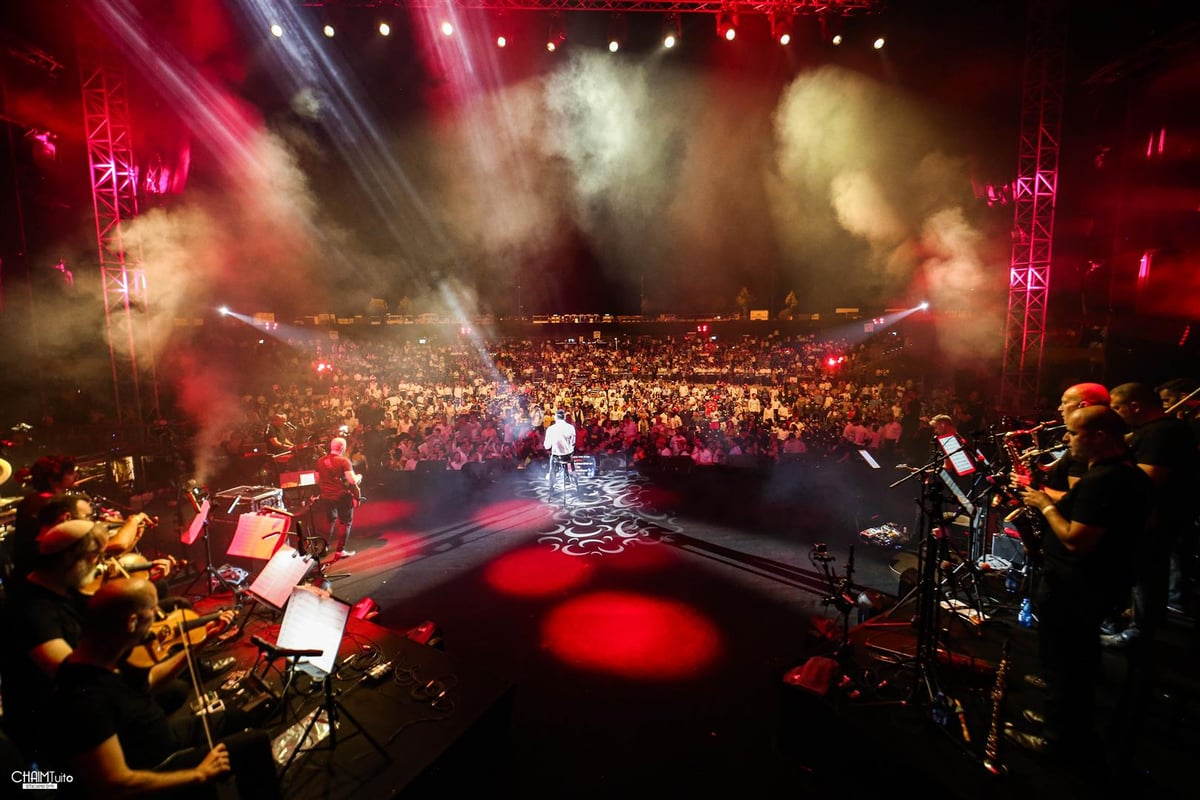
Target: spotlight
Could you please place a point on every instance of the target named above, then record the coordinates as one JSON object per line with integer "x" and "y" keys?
{"x": 924, "y": 306}
{"x": 616, "y": 32}
{"x": 385, "y": 29}
{"x": 277, "y": 30}
{"x": 781, "y": 28}
{"x": 223, "y": 311}
{"x": 328, "y": 31}
{"x": 727, "y": 24}
{"x": 672, "y": 30}
{"x": 447, "y": 28}
{"x": 879, "y": 43}
{"x": 831, "y": 29}
{"x": 557, "y": 35}
{"x": 501, "y": 28}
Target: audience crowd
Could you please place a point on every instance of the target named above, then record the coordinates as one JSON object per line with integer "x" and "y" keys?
{"x": 640, "y": 400}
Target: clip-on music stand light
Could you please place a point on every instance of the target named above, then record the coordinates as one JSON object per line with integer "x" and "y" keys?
{"x": 315, "y": 620}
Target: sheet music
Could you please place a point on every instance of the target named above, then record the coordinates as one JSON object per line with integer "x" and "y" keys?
{"x": 193, "y": 532}
{"x": 281, "y": 574}
{"x": 954, "y": 450}
{"x": 258, "y": 536}
{"x": 958, "y": 493}
{"x": 314, "y": 620}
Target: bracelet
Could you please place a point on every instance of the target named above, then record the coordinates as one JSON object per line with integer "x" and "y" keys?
{"x": 1048, "y": 508}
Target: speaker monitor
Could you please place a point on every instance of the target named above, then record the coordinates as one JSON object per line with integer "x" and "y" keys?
{"x": 611, "y": 463}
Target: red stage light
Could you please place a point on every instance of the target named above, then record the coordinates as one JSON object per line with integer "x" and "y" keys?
{"x": 632, "y": 635}
{"x": 537, "y": 572}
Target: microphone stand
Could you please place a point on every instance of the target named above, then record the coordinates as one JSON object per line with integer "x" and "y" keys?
{"x": 924, "y": 656}
{"x": 331, "y": 709}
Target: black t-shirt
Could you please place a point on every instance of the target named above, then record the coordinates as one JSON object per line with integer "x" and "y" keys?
{"x": 1167, "y": 442}
{"x": 25, "y": 531}
{"x": 33, "y": 616}
{"x": 1115, "y": 496}
{"x": 95, "y": 704}
{"x": 1061, "y": 471}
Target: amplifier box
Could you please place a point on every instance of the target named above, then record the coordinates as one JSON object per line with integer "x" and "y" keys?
{"x": 232, "y": 503}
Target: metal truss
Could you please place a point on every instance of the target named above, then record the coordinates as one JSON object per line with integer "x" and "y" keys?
{"x": 114, "y": 195}
{"x": 1034, "y": 195}
{"x": 797, "y": 7}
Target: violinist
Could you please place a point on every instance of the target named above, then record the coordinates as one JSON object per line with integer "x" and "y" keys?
{"x": 123, "y": 537}
{"x": 119, "y": 741}
{"x": 42, "y": 624}
{"x": 48, "y": 476}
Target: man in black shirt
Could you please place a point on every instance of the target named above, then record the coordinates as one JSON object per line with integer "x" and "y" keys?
{"x": 1095, "y": 526}
{"x": 1164, "y": 448}
{"x": 42, "y": 623}
{"x": 115, "y": 739}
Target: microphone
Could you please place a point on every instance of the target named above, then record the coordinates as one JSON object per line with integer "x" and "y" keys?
{"x": 273, "y": 651}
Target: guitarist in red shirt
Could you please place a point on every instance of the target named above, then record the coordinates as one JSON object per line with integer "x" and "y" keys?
{"x": 340, "y": 495}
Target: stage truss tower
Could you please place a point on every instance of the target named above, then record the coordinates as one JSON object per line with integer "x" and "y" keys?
{"x": 1034, "y": 193}
{"x": 114, "y": 181}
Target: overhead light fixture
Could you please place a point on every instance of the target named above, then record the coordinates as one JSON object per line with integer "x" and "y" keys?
{"x": 727, "y": 24}
{"x": 502, "y": 30}
{"x": 385, "y": 29}
{"x": 831, "y": 29}
{"x": 781, "y": 27}
{"x": 879, "y": 42}
{"x": 328, "y": 31}
{"x": 446, "y": 28}
{"x": 277, "y": 30}
{"x": 616, "y": 32}
{"x": 672, "y": 30}
{"x": 557, "y": 36}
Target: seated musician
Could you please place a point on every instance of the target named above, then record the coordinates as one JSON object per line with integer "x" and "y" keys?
{"x": 48, "y": 476}
{"x": 278, "y": 436}
{"x": 42, "y": 620}
{"x": 119, "y": 741}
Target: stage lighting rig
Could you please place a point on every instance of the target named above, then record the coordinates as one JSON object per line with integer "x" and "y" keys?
{"x": 672, "y": 30}
{"x": 558, "y": 33}
{"x": 781, "y": 27}
{"x": 727, "y": 21}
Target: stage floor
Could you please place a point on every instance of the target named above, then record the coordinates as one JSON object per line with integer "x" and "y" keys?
{"x": 637, "y": 637}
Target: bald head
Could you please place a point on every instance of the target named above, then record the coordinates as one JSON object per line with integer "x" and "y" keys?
{"x": 1082, "y": 395}
{"x": 119, "y": 612}
{"x": 1096, "y": 432}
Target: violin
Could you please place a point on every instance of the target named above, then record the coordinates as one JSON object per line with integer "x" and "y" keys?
{"x": 167, "y": 636}
{"x": 123, "y": 566}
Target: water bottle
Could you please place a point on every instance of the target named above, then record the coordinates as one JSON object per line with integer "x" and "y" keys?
{"x": 1025, "y": 615}
{"x": 1011, "y": 583}
{"x": 940, "y": 710}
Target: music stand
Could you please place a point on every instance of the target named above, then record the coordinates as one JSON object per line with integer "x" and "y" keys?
{"x": 315, "y": 619}
{"x": 258, "y": 536}
{"x": 282, "y": 573}
{"x": 199, "y": 530}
